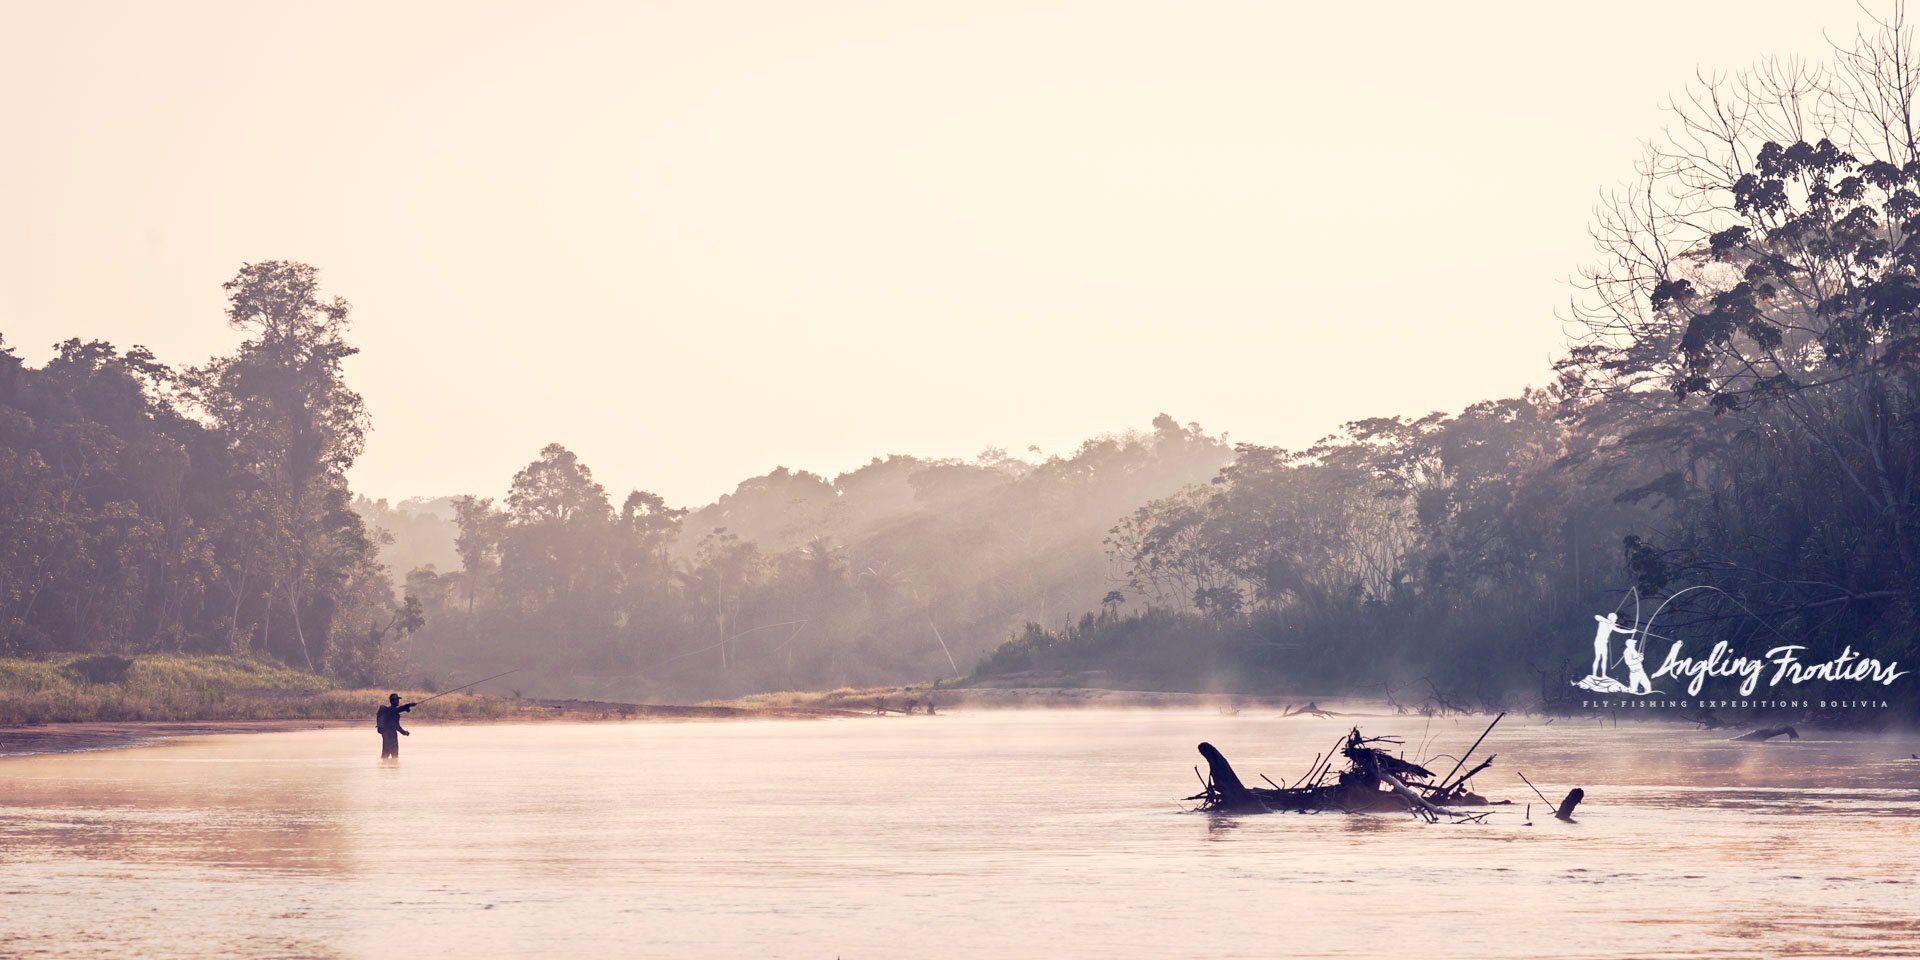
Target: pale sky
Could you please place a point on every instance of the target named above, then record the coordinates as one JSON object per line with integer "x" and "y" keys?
{"x": 693, "y": 241}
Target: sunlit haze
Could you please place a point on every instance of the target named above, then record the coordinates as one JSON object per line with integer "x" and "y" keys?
{"x": 961, "y": 478}
{"x": 696, "y": 241}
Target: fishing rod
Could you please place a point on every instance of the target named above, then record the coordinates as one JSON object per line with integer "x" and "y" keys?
{"x": 1647, "y": 630}
{"x": 473, "y": 684}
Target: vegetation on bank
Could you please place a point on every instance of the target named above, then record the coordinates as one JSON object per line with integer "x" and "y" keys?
{"x": 905, "y": 568}
{"x": 854, "y": 699}
{"x": 1731, "y": 453}
{"x": 205, "y": 510}
{"x": 152, "y": 509}
{"x": 1730, "y": 449}
{"x": 171, "y": 687}
{"x": 1133, "y": 651}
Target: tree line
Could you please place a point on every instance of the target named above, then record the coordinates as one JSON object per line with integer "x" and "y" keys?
{"x": 202, "y": 509}
{"x": 1733, "y": 434}
{"x": 906, "y": 569}
{"x": 207, "y": 510}
{"x": 1732, "y": 438}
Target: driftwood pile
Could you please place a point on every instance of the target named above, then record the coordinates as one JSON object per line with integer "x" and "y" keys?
{"x": 1372, "y": 780}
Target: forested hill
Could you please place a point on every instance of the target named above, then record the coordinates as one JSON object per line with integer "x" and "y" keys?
{"x": 904, "y": 569}
{"x": 206, "y": 509}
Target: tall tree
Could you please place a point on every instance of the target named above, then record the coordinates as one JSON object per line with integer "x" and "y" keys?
{"x": 481, "y": 528}
{"x": 293, "y": 428}
{"x": 1758, "y": 309}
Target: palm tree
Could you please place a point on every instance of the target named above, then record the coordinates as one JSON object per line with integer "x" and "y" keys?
{"x": 882, "y": 585}
{"x": 825, "y": 562}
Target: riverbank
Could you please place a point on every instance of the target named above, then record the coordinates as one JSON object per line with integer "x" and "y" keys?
{"x": 91, "y": 735}
{"x": 899, "y": 698}
{"x": 78, "y": 703}
{"x": 18, "y": 741}
{"x": 189, "y": 689}
{"x": 1876, "y": 717}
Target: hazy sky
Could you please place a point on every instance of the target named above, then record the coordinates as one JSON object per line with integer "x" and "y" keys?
{"x": 694, "y": 241}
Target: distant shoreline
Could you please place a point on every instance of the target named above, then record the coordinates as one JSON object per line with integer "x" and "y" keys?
{"x": 81, "y": 736}
{"x": 85, "y": 736}
{"x": 898, "y": 698}
{"x": 1281, "y": 706}
{"x": 90, "y": 736}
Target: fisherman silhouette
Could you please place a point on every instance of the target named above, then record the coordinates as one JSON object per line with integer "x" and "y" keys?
{"x": 387, "y": 721}
{"x": 1638, "y": 683}
{"x": 1597, "y": 679}
{"x": 1603, "y": 641}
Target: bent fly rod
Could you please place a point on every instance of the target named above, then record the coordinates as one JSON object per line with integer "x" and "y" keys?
{"x": 465, "y": 686}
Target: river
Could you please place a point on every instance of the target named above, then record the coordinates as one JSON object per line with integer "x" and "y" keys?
{"x": 978, "y": 834}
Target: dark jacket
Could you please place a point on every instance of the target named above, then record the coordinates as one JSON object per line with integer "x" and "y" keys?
{"x": 387, "y": 719}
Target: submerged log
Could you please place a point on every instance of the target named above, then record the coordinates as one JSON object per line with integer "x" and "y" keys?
{"x": 1768, "y": 733}
{"x": 1231, "y": 795}
{"x": 1413, "y": 799}
{"x": 1573, "y": 799}
{"x": 1312, "y": 709}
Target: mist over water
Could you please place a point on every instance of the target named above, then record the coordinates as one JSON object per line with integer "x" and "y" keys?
{"x": 983, "y": 834}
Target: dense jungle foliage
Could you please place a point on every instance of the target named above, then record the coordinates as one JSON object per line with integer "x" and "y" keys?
{"x": 1729, "y": 452}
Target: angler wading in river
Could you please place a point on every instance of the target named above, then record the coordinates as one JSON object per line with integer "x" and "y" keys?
{"x": 387, "y": 721}
{"x": 387, "y": 718}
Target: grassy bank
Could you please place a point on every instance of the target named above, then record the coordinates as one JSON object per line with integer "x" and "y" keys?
{"x": 180, "y": 688}
{"x": 849, "y": 699}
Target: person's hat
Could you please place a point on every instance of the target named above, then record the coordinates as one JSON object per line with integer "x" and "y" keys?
{"x": 393, "y": 696}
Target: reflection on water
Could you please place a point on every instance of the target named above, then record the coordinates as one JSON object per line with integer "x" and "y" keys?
{"x": 1014, "y": 834}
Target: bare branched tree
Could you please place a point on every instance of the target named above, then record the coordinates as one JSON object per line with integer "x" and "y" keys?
{"x": 1759, "y": 291}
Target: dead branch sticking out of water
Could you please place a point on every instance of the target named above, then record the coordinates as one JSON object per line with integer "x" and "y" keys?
{"x": 1312, "y": 709}
{"x": 1373, "y": 781}
{"x": 1768, "y": 733}
{"x": 1565, "y": 812}
{"x": 1437, "y": 703}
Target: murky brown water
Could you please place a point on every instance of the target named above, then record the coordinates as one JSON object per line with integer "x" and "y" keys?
{"x": 1012, "y": 834}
